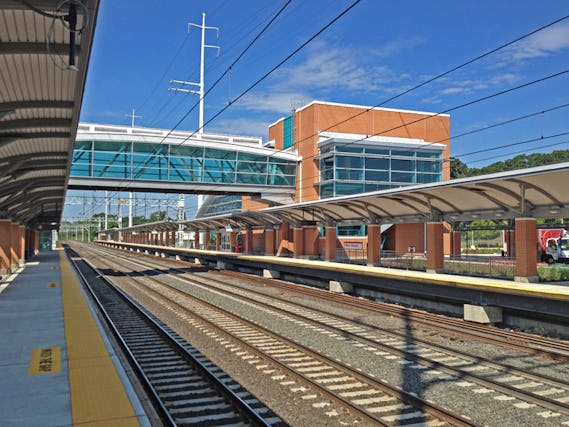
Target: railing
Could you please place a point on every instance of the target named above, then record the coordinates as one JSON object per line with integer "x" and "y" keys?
{"x": 406, "y": 260}
{"x": 351, "y": 256}
{"x": 481, "y": 265}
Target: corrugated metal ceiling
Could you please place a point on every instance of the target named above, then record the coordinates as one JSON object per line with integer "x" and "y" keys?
{"x": 40, "y": 100}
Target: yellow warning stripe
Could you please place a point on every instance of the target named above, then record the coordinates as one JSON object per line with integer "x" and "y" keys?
{"x": 97, "y": 393}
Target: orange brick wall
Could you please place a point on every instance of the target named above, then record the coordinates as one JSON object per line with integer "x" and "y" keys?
{"x": 337, "y": 118}
{"x": 253, "y": 205}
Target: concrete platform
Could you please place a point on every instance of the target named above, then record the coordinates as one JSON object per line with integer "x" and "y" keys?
{"x": 52, "y": 353}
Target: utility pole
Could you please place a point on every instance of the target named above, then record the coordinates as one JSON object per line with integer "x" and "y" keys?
{"x": 130, "y": 209}
{"x": 201, "y": 84}
{"x": 132, "y": 116}
{"x": 181, "y": 217}
{"x": 106, "y": 210}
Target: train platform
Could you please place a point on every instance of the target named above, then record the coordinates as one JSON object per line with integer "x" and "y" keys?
{"x": 549, "y": 290}
{"x": 441, "y": 292}
{"x": 57, "y": 367}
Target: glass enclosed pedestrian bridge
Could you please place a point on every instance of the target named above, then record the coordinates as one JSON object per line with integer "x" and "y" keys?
{"x": 125, "y": 158}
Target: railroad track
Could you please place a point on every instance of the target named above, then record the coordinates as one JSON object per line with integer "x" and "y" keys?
{"x": 437, "y": 360}
{"x": 298, "y": 367}
{"x": 528, "y": 343}
{"x": 507, "y": 380}
{"x": 185, "y": 387}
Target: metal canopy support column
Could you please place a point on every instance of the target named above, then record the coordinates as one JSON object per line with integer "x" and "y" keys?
{"x": 526, "y": 250}
{"x": 21, "y": 245}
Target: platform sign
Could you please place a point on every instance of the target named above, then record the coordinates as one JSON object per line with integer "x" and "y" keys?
{"x": 45, "y": 360}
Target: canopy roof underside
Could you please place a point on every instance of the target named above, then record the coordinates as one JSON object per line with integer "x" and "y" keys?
{"x": 40, "y": 98}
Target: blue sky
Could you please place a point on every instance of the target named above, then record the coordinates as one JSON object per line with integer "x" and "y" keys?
{"x": 376, "y": 51}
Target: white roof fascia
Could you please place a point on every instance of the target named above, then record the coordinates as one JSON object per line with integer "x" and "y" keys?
{"x": 385, "y": 141}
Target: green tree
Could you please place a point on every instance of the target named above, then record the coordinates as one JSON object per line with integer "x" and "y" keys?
{"x": 458, "y": 168}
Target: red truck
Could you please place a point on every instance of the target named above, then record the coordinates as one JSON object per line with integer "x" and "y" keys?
{"x": 553, "y": 245}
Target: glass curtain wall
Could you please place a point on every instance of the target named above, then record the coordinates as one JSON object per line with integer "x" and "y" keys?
{"x": 358, "y": 169}
{"x": 162, "y": 162}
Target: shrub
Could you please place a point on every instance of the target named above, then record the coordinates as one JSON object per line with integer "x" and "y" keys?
{"x": 553, "y": 273}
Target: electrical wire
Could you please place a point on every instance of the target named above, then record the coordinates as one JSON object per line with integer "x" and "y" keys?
{"x": 405, "y": 92}
{"x": 527, "y": 116}
{"x": 521, "y": 152}
{"x": 448, "y": 110}
{"x": 285, "y": 5}
{"x": 443, "y": 74}
{"x": 527, "y": 141}
{"x": 169, "y": 66}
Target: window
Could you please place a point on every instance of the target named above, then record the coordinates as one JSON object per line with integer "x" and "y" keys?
{"x": 288, "y": 132}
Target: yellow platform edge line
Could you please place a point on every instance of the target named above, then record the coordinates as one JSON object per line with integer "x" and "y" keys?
{"x": 98, "y": 396}
{"x": 515, "y": 288}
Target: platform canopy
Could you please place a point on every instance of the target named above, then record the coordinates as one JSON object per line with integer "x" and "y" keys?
{"x": 43, "y": 66}
{"x": 540, "y": 192}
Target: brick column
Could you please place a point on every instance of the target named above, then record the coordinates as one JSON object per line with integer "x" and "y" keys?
{"x": 455, "y": 244}
{"x": 283, "y": 238}
{"x": 197, "y": 239}
{"x": 373, "y": 244}
{"x": 218, "y": 241}
{"x": 298, "y": 239}
{"x": 435, "y": 249}
{"x": 14, "y": 246}
{"x": 21, "y": 243}
{"x": 270, "y": 241}
{"x": 511, "y": 244}
{"x": 36, "y": 242}
{"x": 232, "y": 241}
{"x": 248, "y": 241}
{"x": 311, "y": 240}
{"x": 526, "y": 250}
{"x": 331, "y": 243}
{"x": 5, "y": 245}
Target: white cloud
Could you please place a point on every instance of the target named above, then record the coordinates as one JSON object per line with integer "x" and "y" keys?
{"x": 272, "y": 100}
{"x": 453, "y": 90}
{"x": 544, "y": 43}
{"x": 395, "y": 47}
{"x": 469, "y": 86}
{"x": 328, "y": 67}
{"x": 323, "y": 70}
{"x": 243, "y": 127}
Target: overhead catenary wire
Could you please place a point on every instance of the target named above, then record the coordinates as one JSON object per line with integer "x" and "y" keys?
{"x": 448, "y": 110}
{"x": 430, "y": 80}
{"x": 506, "y": 122}
{"x": 298, "y": 49}
{"x": 255, "y": 39}
{"x": 444, "y": 74}
{"x": 522, "y": 152}
{"x": 345, "y": 11}
{"x": 513, "y": 144}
